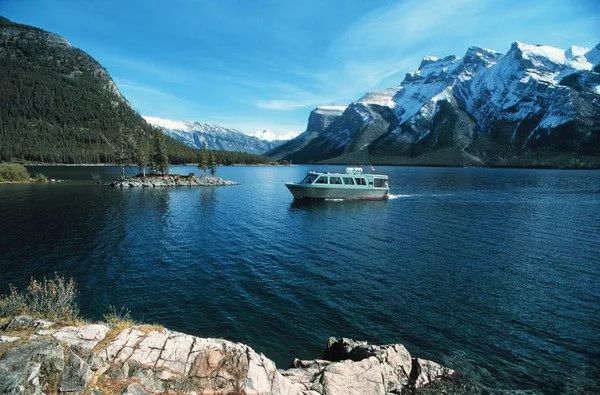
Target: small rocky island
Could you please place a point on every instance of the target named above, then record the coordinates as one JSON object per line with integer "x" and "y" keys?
{"x": 171, "y": 180}
{"x": 40, "y": 356}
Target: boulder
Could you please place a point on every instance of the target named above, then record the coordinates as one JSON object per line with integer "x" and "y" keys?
{"x": 141, "y": 360}
{"x": 343, "y": 358}
{"x": 349, "y": 377}
{"x": 426, "y": 372}
{"x": 31, "y": 367}
{"x": 164, "y": 360}
{"x": 76, "y": 375}
{"x": 26, "y": 322}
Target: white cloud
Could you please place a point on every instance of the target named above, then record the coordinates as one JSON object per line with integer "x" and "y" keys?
{"x": 279, "y": 104}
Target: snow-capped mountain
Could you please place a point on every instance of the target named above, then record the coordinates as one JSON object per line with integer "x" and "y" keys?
{"x": 204, "y": 135}
{"x": 534, "y": 105}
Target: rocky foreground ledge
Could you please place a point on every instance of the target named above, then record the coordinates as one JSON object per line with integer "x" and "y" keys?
{"x": 39, "y": 356}
{"x": 171, "y": 180}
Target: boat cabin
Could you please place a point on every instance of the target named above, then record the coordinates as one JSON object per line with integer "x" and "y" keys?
{"x": 350, "y": 178}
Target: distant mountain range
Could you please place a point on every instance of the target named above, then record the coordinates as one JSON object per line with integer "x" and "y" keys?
{"x": 533, "y": 106}
{"x": 205, "y": 135}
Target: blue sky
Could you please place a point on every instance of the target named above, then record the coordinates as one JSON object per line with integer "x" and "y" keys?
{"x": 265, "y": 64}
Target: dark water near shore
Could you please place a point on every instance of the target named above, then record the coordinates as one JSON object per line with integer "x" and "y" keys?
{"x": 495, "y": 272}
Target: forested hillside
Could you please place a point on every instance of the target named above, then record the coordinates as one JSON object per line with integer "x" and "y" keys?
{"x": 57, "y": 104}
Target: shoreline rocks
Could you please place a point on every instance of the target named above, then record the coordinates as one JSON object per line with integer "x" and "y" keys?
{"x": 171, "y": 180}
{"x": 98, "y": 358}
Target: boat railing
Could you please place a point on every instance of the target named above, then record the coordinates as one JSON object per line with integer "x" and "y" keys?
{"x": 354, "y": 170}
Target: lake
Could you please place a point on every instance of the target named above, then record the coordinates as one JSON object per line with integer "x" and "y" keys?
{"x": 495, "y": 272}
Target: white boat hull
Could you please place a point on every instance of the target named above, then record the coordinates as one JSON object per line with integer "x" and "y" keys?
{"x": 301, "y": 191}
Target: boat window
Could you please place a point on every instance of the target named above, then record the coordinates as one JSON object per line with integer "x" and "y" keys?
{"x": 360, "y": 181}
{"x": 380, "y": 183}
{"x": 309, "y": 179}
{"x": 335, "y": 180}
{"x": 322, "y": 180}
{"x": 348, "y": 181}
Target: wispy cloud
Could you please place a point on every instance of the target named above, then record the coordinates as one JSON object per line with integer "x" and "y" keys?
{"x": 285, "y": 104}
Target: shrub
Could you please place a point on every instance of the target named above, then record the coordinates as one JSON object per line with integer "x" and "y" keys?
{"x": 119, "y": 317}
{"x": 49, "y": 298}
{"x": 13, "y": 172}
{"x": 40, "y": 178}
{"x": 12, "y": 304}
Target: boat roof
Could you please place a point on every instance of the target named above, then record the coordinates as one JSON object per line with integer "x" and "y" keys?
{"x": 327, "y": 173}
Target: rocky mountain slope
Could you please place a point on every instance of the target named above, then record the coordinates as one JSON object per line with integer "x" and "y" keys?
{"x": 57, "y": 104}
{"x": 38, "y": 356}
{"x": 533, "y": 106}
{"x": 319, "y": 119}
{"x": 205, "y": 135}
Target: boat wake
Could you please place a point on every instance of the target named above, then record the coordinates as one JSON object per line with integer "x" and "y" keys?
{"x": 394, "y": 196}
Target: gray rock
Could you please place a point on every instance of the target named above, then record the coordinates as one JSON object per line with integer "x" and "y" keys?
{"x": 29, "y": 367}
{"x": 429, "y": 371}
{"x": 166, "y": 361}
{"x": 348, "y": 377}
{"x": 76, "y": 375}
{"x": 135, "y": 389}
{"x": 171, "y": 180}
{"x": 395, "y": 364}
{"x": 82, "y": 338}
{"x": 8, "y": 339}
{"x": 27, "y": 322}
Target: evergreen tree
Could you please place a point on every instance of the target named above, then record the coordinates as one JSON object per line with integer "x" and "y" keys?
{"x": 160, "y": 159}
{"x": 142, "y": 155}
{"x": 122, "y": 153}
{"x": 203, "y": 160}
{"x": 212, "y": 164}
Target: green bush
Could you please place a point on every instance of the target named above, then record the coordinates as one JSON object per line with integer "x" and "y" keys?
{"x": 49, "y": 298}
{"x": 40, "y": 178}
{"x": 13, "y": 172}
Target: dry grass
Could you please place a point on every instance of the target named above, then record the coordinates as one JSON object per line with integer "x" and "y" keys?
{"x": 52, "y": 299}
{"x": 119, "y": 318}
{"x": 106, "y": 385}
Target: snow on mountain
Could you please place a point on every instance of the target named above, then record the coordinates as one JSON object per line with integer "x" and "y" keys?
{"x": 534, "y": 96}
{"x": 380, "y": 98}
{"x": 204, "y": 135}
{"x": 269, "y": 135}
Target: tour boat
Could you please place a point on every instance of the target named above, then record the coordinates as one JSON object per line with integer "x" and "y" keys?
{"x": 351, "y": 185}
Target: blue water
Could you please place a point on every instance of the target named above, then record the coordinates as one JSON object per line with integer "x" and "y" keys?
{"x": 495, "y": 272}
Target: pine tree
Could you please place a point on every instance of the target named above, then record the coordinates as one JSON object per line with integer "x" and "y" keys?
{"x": 142, "y": 155}
{"x": 212, "y": 164}
{"x": 202, "y": 160}
{"x": 159, "y": 160}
